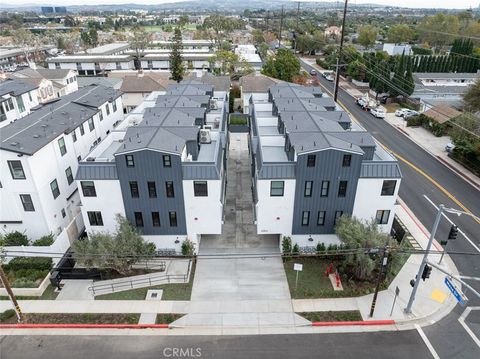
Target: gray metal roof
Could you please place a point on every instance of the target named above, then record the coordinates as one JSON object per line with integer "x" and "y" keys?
{"x": 114, "y": 82}
{"x": 96, "y": 171}
{"x": 36, "y": 130}
{"x": 16, "y": 87}
{"x": 380, "y": 170}
{"x": 182, "y": 101}
{"x": 287, "y": 89}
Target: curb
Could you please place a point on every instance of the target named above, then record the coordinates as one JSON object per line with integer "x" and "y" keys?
{"x": 458, "y": 172}
{"x": 84, "y": 326}
{"x": 354, "y": 323}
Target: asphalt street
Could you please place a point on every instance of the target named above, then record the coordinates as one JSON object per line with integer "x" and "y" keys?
{"x": 381, "y": 345}
{"x": 414, "y": 187}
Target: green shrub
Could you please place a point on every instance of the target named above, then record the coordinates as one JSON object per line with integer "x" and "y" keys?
{"x": 287, "y": 245}
{"x": 9, "y": 313}
{"x": 46, "y": 240}
{"x": 296, "y": 249}
{"x": 320, "y": 248}
{"x": 237, "y": 120}
{"x": 15, "y": 239}
{"x": 421, "y": 51}
{"x": 22, "y": 263}
{"x": 188, "y": 247}
{"x": 23, "y": 283}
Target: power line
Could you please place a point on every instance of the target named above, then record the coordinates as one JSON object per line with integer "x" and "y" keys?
{"x": 449, "y": 33}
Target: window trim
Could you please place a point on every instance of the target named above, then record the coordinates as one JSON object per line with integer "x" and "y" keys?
{"x": 308, "y": 189}
{"x": 342, "y": 193}
{"x": 91, "y": 124}
{"x": 345, "y": 162}
{"x": 167, "y": 161}
{"x": 272, "y": 189}
{"x": 10, "y": 165}
{"x": 57, "y": 189}
{"x": 200, "y": 193}
{"x": 26, "y": 203}
{"x": 86, "y": 191}
{"x": 130, "y": 160}
{"x": 156, "y": 214}
{"x": 307, "y": 223}
{"x": 327, "y": 189}
{"x": 96, "y": 216}
{"x": 70, "y": 178}
{"x": 138, "y": 219}
{"x": 173, "y": 219}
{"x": 322, "y": 222}
{"x": 134, "y": 190}
{"x": 62, "y": 146}
{"x": 381, "y": 220}
{"x": 311, "y": 160}
{"x": 152, "y": 190}
{"x": 169, "y": 194}
{"x": 337, "y": 217}
{"x": 384, "y": 193}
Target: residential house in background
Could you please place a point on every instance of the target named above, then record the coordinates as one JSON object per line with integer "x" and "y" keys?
{"x": 17, "y": 98}
{"x": 40, "y": 155}
{"x": 257, "y": 85}
{"x": 311, "y": 165}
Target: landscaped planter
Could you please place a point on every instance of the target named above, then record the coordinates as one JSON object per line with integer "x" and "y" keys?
{"x": 29, "y": 292}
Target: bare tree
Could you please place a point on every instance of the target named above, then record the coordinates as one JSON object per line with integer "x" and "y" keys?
{"x": 139, "y": 41}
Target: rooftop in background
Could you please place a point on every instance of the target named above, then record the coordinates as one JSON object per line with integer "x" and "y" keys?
{"x": 257, "y": 83}
{"x": 143, "y": 83}
{"x": 109, "y": 49}
{"x": 15, "y": 87}
{"x": 90, "y": 58}
{"x": 100, "y": 80}
{"x": 447, "y": 75}
{"x": 63, "y": 115}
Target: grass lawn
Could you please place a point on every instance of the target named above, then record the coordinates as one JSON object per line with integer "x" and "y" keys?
{"x": 341, "y": 316}
{"x": 167, "y": 318}
{"x": 237, "y": 120}
{"x": 312, "y": 282}
{"x": 59, "y": 318}
{"x": 48, "y": 294}
{"x": 154, "y": 28}
{"x": 177, "y": 291}
{"x": 391, "y": 107}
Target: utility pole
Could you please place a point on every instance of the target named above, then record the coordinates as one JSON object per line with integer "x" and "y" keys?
{"x": 339, "y": 57}
{"x": 383, "y": 270}
{"x": 268, "y": 14}
{"x": 408, "y": 309}
{"x": 296, "y": 28}
{"x": 281, "y": 26}
{"x": 8, "y": 288}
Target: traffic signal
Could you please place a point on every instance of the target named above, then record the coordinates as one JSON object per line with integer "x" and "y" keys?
{"x": 453, "y": 233}
{"x": 427, "y": 270}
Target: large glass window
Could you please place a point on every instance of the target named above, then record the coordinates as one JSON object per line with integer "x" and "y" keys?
{"x": 156, "y": 219}
{"x": 173, "y": 218}
{"x": 74, "y": 136}
{"x": 342, "y": 188}
{"x": 277, "y": 188}
{"x": 69, "y": 175}
{"x": 134, "y": 189}
{"x": 95, "y": 218}
{"x": 21, "y": 105}
{"x": 305, "y": 218}
{"x": 82, "y": 129}
{"x": 114, "y": 105}
{"x": 338, "y": 214}
{"x": 91, "y": 125}
{"x": 152, "y": 190}
{"x": 138, "y": 219}
{"x": 388, "y": 187}
{"x": 324, "y": 190}
{"x": 16, "y": 169}
{"x": 54, "y": 188}
{"x": 307, "y": 192}
{"x": 61, "y": 145}
{"x": 200, "y": 188}
{"x": 382, "y": 216}
{"x": 321, "y": 218}
{"x": 88, "y": 189}
{"x": 169, "y": 189}
{"x": 27, "y": 203}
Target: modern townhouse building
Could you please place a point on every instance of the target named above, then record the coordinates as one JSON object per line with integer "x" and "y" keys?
{"x": 163, "y": 167}
{"x": 17, "y": 98}
{"x": 311, "y": 165}
{"x": 91, "y": 65}
{"x": 40, "y": 155}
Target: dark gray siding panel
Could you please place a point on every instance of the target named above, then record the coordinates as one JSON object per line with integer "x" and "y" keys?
{"x": 277, "y": 170}
{"x": 96, "y": 171}
{"x": 328, "y": 167}
{"x": 149, "y": 167}
{"x": 380, "y": 170}
{"x": 192, "y": 171}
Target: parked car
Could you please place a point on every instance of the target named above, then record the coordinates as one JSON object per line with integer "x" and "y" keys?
{"x": 378, "y": 112}
{"x": 449, "y": 147}
{"x": 329, "y": 78}
{"x": 313, "y": 72}
{"x": 410, "y": 114}
{"x": 401, "y": 111}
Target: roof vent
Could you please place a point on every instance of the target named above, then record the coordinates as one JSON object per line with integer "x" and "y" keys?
{"x": 36, "y": 136}
{"x": 14, "y": 143}
{"x": 44, "y": 125}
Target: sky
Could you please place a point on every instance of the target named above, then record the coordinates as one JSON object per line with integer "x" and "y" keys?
{"x": 458, "y": 4}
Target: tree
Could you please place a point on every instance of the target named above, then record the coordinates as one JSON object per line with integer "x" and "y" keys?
{"x": 25, "y": 40}
{"x": 284, "y": 65}
{"x": 400, "y": 33}
{"x": 140, "y": 40}
{"x": 258, "y": 37}
{"x": 89, "y": 38}
{"x": 117, "y": 251}
{"x": 471, "y": 98}
{"x": 435, "y": 29}
{"x": 177, "y": 67}
{"x": 367, "y": 36}
{"x": 183, "y": 20}
{"x": 221, "y": 26}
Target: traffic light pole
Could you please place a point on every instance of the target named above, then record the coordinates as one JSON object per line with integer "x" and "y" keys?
{"x": 408, "y": 309}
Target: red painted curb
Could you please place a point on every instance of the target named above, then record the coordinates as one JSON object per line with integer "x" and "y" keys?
{"x": 84, "y": 326}
{"x": 362, "y": 322}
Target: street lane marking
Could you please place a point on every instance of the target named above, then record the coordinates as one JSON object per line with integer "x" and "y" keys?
{"x": 427, "y": 342}
{"x": 404, "y": 160}
{"x": 451, "y": 222}
{"x": 462, "y": 318}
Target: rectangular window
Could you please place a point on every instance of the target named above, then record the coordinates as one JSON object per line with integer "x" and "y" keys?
{"x": 54, "y": 188}
{"x": 276, "y": 188}
{"x": 324, "y": 190}
{"x": 27, "y": 203}
{"x": 338, "y": 214}
{"x": 342, "y": 188}
{"x": 74, "y": 136}
{"x": 21, "y": 105}
{"x": 382, "y": 216}
{"x": 152, "y": 190}
{"x": 107, "y": 107}
{"x": 311, "y": 160}
{"x": 114, "y": 105}
{"x": 88, "y": 189}
{"x": 9, "y": 104}
{"x": 305, "y": 218}
{"x": 321, "y": 218}
{"x": 16, "y": 169}
{"x": 307, "y": 192}
{"x": 69, "y": 174}
{"x": 91, "y": 125}
{"x": 95, "y": 218}
{"x": 30, "y": 97}
{"x": 167, "y": 161}
{"x": 130, "y": 162}
{"x": 156, "y": 219}
{"x": 100, "y": 115}
{"x": 200, "y": 188}
{"x": 64, "y": 214}
{"x": 173, "y": 218}
{"x": 82, "y": 130}
{"x": 388, "y": 187}
{"x": 61, "y": 145}
{"x": 169, "y": 188}
{"x": 134, "y": 189}
{"x": 347, "y": 160}
{"x": 138, "y": 219}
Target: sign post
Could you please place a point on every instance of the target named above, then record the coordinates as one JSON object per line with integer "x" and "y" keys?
{"x": 397, "y": 292}
{"x": 297, "y": 267}
{"x": 455, "y": 291}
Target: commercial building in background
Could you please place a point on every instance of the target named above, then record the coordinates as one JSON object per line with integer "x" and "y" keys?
{"x": 17, "y": 98}
{"x": 163, "y": 168}
{"x": 40, "y": 154}
{"x": 311, "y": 165}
